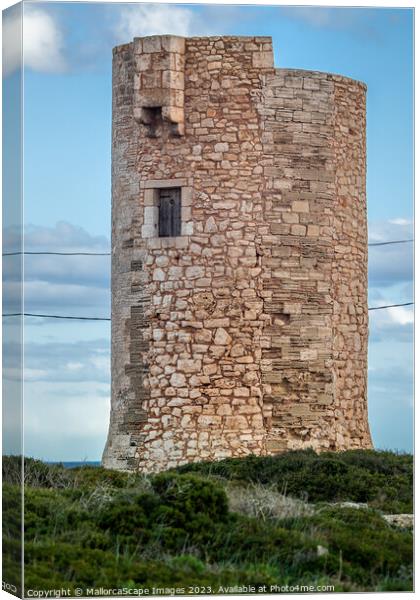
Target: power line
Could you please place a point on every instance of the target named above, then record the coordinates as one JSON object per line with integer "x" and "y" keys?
{"x": 387, "y": 243}
{"x": 390, "y": 306}
{"x": 59, "y": 253}
{"x": 58, "y": 317}
{"x": 108, "y": 318}
{"x": 19, "y": 253}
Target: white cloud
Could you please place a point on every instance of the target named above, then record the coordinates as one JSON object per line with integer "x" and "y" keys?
{"x": 137, "y": 20}
{"x": 392, "y": 229}
{"x": 153, "y": 19}
{"x": 403, "y": 315}
{"x": 74, "y": 366}
{"x": 69, "y": 362}
{"x": 400, "y": 222}
{"x": 392, "y": 324}
{"x": 43, "y": 41}
{"x": 63, "y": 236}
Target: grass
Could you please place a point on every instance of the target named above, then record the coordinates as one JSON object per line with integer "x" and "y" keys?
{"x": 248, "y": 522}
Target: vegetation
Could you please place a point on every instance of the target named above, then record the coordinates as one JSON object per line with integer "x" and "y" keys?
{"x": 249, "y": 522}
{"x": 382, "y": 479}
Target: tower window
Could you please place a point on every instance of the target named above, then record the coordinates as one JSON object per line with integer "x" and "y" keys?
{"x": 169, "y": 212}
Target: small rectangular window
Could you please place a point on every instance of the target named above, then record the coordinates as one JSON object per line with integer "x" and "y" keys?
{"x": 169, "y": 212}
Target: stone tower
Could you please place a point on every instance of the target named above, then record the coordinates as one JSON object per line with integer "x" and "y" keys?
{"x": 239, "y": 255}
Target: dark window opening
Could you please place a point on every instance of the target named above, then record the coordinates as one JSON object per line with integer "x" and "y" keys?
{"x": 169, "y": 212}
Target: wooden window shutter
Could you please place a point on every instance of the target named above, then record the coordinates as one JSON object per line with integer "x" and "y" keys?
{"x": 169, "y": 212}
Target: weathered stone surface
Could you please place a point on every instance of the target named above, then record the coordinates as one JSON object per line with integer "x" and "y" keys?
{"x": 248, "y": 332}
{"x": 222, "y": 337}
{"x": 405, "y": 521}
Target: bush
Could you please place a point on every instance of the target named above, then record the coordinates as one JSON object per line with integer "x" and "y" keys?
{"x": 370, "y": 550}
{"x": 383, "y": 479}
{"x": 88, "y": 477}
{"x": 191, "y": 496}
{"x": 128, "y": 519}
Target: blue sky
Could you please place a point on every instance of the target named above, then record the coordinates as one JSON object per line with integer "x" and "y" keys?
{"x": 67, "y": 193}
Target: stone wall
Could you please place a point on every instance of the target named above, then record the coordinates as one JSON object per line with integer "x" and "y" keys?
{"x": 349, "y": 268}
{"x": 246, "y": 333}
{"x": 314, "y": 265}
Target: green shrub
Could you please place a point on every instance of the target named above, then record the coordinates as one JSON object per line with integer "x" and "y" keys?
{"x": 191, "y": 496}
{"x": 370, "y": 550}
{"x": 383, "y": 479}
{"x": 128, "y": 519}
{"x": 52, "y": 564}
{"x": 51, "y": 512}
{"x": 12, "y": 510}
{"x": 89, "y": 476}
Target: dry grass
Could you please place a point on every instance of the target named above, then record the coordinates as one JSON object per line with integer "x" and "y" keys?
{"x": 265, "y": 502}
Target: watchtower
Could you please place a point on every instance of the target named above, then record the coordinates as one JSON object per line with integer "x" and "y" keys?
{"x": 239, "y": 255}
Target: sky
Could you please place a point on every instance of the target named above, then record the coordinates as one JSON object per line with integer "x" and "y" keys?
{"x": 67, "y": 200}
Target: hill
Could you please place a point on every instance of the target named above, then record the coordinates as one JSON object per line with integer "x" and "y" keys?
{"x": 236, "y": 525}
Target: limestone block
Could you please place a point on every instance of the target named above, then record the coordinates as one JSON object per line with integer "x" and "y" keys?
{"x": 263, "y": 60}
{"x": 173, "y": 80}
{"x": 222, "y": 337}
{"x": 173, "y": 44}
{"x": 152, "y": 44}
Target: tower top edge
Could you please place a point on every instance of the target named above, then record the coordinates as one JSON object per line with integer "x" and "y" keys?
{"x": 212, "y": 38}
{"x": 325, "y": 75}
{"x": 335, "y": 77}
